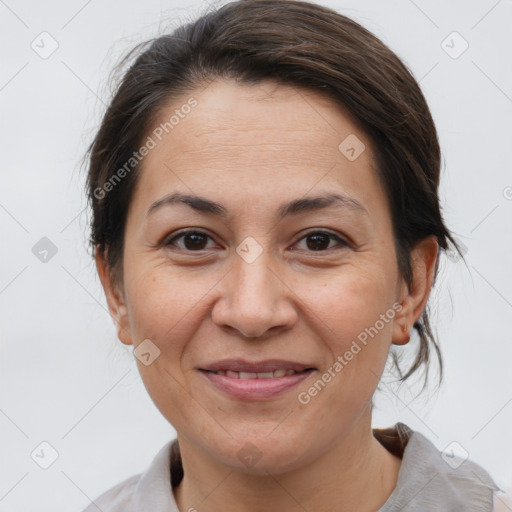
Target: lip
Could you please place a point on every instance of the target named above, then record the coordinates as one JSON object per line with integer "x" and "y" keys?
{"x": 255, "y": 389}
{"x": 267, "y": 365}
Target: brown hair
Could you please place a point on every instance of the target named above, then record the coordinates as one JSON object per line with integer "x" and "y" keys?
{"x": 294, "y": 43}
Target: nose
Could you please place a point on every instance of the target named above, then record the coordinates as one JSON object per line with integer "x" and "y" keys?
{"x": 254, "y": 300}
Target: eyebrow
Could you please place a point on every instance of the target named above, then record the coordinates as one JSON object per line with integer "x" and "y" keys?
{"x": 295, "y": 207}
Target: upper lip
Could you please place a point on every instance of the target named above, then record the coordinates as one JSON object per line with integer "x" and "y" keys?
{"x": 268, "y": 365}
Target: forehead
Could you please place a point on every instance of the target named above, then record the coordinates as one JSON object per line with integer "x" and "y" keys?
{"x": 267, "y": 138}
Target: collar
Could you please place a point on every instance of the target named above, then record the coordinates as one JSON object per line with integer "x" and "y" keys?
{"x": 426, "y": 481}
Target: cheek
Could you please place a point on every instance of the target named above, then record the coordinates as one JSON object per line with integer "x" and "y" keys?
{"x": 166, "y": 307}
{"x": 355, "y": 316}
{"x": 352, "y": 300}
{"x": 163, "y": 302}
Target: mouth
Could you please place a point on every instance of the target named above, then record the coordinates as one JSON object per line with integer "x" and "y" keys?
{"x": 256, "y": 381}
{"x": 276, "y": 374}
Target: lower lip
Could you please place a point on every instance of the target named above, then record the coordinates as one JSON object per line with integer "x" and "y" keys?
{"x": 255, "y": 389}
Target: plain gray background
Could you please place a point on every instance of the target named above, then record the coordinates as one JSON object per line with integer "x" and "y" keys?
{"x": 65, "y": 378}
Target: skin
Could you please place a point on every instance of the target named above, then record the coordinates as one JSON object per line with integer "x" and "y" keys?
{"x": 252, "y": 148}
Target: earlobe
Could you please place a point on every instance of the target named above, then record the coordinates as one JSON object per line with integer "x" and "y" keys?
{"x": 403, "y": 324}
{"x": 414, "y": 301}
{"x": 115, "y": 300}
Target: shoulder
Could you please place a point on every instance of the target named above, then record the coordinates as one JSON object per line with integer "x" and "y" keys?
{"x": 151, "y": 489}
{"x": 116, "y": 499}
{"x": 430, "y": 479}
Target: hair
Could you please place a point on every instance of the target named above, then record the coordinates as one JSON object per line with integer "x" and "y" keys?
{"x": 294, "y": 43}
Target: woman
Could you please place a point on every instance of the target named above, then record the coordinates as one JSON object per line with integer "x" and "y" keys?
{"x": 266, "y": 227}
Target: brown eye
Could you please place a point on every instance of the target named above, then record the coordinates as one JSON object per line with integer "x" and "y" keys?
{"x": 190, "y": 241}
{"x": 321, "y": 240}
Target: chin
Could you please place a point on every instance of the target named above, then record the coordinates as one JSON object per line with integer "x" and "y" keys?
{"x": 263, "y": 455}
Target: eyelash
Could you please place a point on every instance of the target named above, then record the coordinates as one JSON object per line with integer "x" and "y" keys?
{"x": 170, "y": 242}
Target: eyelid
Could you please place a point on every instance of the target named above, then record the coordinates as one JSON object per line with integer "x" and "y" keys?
{"x": 341, "y": 241}
{"x": 166, "y": 242}
{"x": 181, "y": 233}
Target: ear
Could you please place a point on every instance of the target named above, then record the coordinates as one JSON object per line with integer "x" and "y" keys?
{"x": 115, "y": 298}
{"x": 414, "y": 300}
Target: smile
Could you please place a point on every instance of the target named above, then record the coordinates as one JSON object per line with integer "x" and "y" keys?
{"x": 260, "y": 375}
{"x": 256, "y": 385}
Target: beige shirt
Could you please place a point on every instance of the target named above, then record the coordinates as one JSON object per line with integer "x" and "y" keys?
{"x": 428, "y": 480}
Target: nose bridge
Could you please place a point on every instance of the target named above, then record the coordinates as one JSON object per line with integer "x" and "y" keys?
{"x": 254, "y": 280}
{"x": 254, "y": 299}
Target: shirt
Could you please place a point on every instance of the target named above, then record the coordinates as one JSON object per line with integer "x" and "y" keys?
{"x": 428, "y": 480}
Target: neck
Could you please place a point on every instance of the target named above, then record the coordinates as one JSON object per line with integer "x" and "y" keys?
{"x": 338, "y": 480}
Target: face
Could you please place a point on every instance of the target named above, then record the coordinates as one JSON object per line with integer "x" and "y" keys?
{"x": 285, "y": 265}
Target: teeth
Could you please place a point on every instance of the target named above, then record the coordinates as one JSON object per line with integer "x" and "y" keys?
{"x": 248, "y": 375}
{"x": 251, "y": 375}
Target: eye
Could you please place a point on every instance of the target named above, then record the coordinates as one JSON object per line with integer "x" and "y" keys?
{"x": 321, "y": 240}
{"x": 192, "y": 240}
